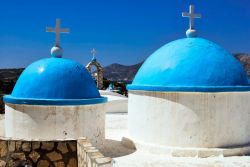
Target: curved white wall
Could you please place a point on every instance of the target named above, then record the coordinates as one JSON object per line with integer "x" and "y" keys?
{"x": 190, "y": 119}
{"x": 55, "y": 122}
{"x": 116, "y": 103}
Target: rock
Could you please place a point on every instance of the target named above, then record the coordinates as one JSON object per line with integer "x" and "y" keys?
{"x": 28, "y": 163}
{"x": 96, "y": 155}
{"x": 26, "y": 147}
{"x": 34, "y": 156}
{"x": 208, "y": 153}
{"x": 2, "y": 163}
{"x": 184, "y": 153}
{"x": 12, "y": 146}
{"x": 3, "y": 148}
{"x": 47, "y": 145}
{"x": 36, "y": 145}
{"x": 62, "y": 147}
{"x": 128, "y": 143}
{"x": 18, "y": 156}
{"x": 103, "y": 161}
{"x": 84, "y": 143}
{"x": 59, "y": 164}
{"x": 72, "y": 146}
{"x": 72, "y": 163}
{"x": 11, "y": 163}
{"x": 18, "y": 145}
{"x": 54, "y": 156}
{"x": 22, "y": 164}
{"x": 43, "y": 163}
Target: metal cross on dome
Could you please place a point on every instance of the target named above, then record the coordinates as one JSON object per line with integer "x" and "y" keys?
{"x": 191, "y": 16}
{"x": 57, "y": 30}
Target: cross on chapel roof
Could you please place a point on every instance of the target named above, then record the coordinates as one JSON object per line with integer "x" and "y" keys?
{"x": 191, "y": 32}
{"x": 57, "y": 30}
{"x": 93, "y": 52}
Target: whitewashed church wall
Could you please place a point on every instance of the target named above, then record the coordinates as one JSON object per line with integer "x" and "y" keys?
{"x": 53, "y": 122}
{"x": 190, "y": 119}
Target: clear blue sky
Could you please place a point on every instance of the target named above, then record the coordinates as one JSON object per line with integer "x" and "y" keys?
{"x": 123, "y": 32}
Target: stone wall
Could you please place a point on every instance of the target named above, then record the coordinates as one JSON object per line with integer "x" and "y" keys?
{"x": 58, "y": 153}
{"x": 89, "y": 156}
{"x": 14, "y": 153}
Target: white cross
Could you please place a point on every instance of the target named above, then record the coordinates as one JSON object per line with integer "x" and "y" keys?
{"x": 191, "y": 16}
{"x": 57, "y": 30}
{"x": 93, "y": 52}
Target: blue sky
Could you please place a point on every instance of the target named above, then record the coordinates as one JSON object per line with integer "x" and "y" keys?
{"x": 124, "y": 32}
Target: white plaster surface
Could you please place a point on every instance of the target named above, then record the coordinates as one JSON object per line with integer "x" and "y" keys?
{"x": 2, "y": 122}
{"x": 207, "y": 120}
{"x": 116, "y": 126}
{"x": 117, "y": 123}
{"x": 55, "y": 122}
{"x": 116, "y": 103}
{"x": 142, "y": 159}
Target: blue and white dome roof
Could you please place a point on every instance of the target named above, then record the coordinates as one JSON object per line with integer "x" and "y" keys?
{"x": 191, "y": 64}
{"x": 55, "y": 81}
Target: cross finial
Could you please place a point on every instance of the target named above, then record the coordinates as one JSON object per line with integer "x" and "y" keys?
{"x": 93, "y": 52}
{"x": 57, "y": 30}
{"x": 191, "y": 32}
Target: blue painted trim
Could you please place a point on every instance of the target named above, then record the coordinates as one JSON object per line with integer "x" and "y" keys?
{"x": 59, "y": 102}
{"x": 189, "y": 88}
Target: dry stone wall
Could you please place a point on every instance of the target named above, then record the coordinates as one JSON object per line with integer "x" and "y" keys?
{"x": 14, "y": 153}
{"x": 59, "y": 153}
{"x": 89, "y": 156}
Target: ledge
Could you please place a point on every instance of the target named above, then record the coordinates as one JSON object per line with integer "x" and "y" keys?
{"x": 59, "y": 102}
{"x": 194, "y": 151}
{"x": 189, "y": 88}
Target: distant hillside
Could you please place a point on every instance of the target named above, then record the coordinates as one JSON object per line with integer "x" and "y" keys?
{"x": 118, "y": 72}
{"x": 8, "y": 78}
{"x": 10, "y": 74}
{"x": 245, "y": 61}
{"x": 115, "y": 72}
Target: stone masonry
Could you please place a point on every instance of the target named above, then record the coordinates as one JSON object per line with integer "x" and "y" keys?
{"x": 58, "y": 153}
{"x": 38, "y": 153}
{"x": 89, "y": 156}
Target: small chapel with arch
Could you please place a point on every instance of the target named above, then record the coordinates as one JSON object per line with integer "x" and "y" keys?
{"x": 98, "y": 74}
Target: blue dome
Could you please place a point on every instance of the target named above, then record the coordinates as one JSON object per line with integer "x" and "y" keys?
{"x": 193, "y": 65}
{"x": 55, "y": 81}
